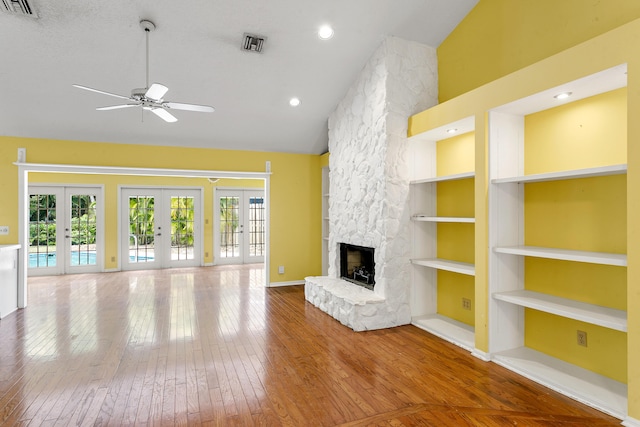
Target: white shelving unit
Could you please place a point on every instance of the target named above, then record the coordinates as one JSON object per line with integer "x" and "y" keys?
{"x": 325, "y": 221}
{"x": 509, "y": 298}
{"x": 424, "y": 218}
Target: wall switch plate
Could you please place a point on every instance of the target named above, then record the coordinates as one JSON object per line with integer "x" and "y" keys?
{"x": 4, "y": 230}
{"x": 281, "y": 269}
{"x": 582, "y": 338}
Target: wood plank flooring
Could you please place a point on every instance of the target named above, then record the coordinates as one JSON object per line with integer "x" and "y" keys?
{"x": 212, "y": 346}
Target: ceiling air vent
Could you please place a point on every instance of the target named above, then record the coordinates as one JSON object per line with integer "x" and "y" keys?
{"x": 17, "y": 7}
{"x": 250, "y": 42}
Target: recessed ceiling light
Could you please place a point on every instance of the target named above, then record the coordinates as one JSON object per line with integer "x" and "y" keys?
{"x": 452, "y": 130}
{"x": 325, "y": 32}
{"x": 294, "y": 102}
{"x": 563, "y": 95}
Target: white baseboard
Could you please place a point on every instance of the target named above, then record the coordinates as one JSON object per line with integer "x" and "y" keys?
{"x": 481, "y": 355}
{"x": 291, "y": 283}
{"x": 630, "y": 422}
{"x": 111, "y": 270}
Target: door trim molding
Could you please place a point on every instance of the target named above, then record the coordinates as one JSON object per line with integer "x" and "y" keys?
{"x": 23, "y": 196}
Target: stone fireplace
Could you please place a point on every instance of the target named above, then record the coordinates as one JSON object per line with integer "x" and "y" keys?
{"x": 357, "y": 265}
{"x": 369, "y": 186}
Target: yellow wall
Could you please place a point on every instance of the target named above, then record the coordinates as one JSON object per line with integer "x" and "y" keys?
{"x": 295, "y": 184}
{"x": 455, "y": 155}
{"x": 587, "y": 214}
{"x": 499, "y": 37}
{"x": 455, "y": 240}
{"x": 571, "y": 136}
{"x": 324, "y": 160}
{"x": 557, "y": 336}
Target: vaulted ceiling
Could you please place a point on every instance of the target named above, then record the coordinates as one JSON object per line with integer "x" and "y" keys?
{"x": 196, "y": 52}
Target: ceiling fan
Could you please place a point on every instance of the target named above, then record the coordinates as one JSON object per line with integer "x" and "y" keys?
{"x": 150, "y": 97}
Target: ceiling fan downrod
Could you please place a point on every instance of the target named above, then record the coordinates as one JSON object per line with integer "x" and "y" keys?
{"x": 147, "y": 26}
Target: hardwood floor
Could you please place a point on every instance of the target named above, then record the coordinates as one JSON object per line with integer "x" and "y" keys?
{"x": 212, "y": 346}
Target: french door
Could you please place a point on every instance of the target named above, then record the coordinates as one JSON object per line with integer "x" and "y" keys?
{"x": 239, "y": 228}
{"x": 161, "y": 228}
{"x": 65, "y": 230}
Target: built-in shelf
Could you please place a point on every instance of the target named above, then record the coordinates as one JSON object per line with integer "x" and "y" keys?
{"x": 589, "y": 313}
{"x": 570, "y": 174}
{"x": 444, "y": 264}
{"x": 426, "y": 218}
{"x": 604, "y": 258}
{"x": 455, "y": 332}
{"x": 595, "y": 390}
{"x": 454, "y": 177}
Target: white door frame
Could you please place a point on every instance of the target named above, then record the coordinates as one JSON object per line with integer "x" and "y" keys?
{"x": 63, "y": 245}
{"x": 243, "y": 258}
{"x": 163, "y": 258}
{"x": 23, "y": 196}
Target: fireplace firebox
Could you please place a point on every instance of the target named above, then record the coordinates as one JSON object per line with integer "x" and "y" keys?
{"x": 357, "y": 265}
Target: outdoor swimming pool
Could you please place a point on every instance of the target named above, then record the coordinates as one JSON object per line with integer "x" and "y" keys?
{"x": 77, "y": 258}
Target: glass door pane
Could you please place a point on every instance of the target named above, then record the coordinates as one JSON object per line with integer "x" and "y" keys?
{"x": 182, "y": 228}
{"x": 230, "y": 227}
{"x": 255, "y": 247}
{"x": 142, "y": 229}
{"x": 83, "y": 230}
{"x": 42, "y": 230}
{"x": 82, "y": 235}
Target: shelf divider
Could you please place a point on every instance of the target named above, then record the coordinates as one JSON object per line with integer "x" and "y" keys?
{"x": 453, "y": 177}
{"x": 604, "y": 258}
{"x": 570, "y": 174}
{"x": 589, "y": 313}
{"x": 455, "y": 332}
{"x": 444, "y": 264}
{"x": 425, "y": 218}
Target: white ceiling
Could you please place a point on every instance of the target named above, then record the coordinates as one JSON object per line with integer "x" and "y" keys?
{"x": 195, "y": 51}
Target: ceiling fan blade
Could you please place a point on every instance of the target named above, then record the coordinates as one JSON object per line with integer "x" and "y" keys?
{"x": 164, "y": 115}
{"x": 156, "y": 91}
{"x": 116, "y": 107}
{"x": 101, "y": 91}
{"x": 189, "y": 107}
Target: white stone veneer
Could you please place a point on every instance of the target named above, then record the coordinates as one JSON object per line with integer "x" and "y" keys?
{"x": 369, "y": 183}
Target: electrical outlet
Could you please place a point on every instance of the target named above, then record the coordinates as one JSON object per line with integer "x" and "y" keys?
{"x": 582, "y": 338}
{"x": 113, "y": 259}
{"x": 466, "y": 303}
{"x": 281, "y": 269}
{"x": 4, "y": 230}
